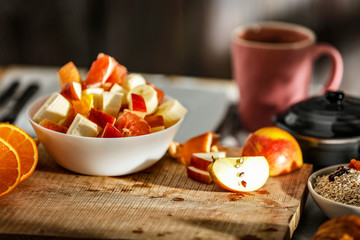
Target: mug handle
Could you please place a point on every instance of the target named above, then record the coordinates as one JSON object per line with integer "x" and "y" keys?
{"x": 335, "y": 79}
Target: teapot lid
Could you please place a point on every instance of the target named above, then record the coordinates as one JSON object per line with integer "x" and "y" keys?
{"x": 331, "y": 116}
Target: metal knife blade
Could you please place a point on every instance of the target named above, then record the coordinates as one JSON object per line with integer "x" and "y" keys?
{"x": 19, "y": 103}
{"x": 8, "y": 93}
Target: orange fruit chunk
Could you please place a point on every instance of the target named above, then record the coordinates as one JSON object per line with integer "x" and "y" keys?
{"x": 68, "y": 73}
{"x": 24, "y": 145}
{"x": 84, "y": 105}
{"x": 130, "y": 124}
{"x": 354, "y": 164}
{"x": 99, "y": 71}
{"x": 198, "y": 144}
{"x": 9, "y": 168}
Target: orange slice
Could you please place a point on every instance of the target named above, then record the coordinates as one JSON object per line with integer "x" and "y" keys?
{"x": 9, "y": 168}
{"x": 198, "y": 144}
{"x": 99, "y": 72}
{"x": 68, "y": 73}
{"x": 24, "y": 145}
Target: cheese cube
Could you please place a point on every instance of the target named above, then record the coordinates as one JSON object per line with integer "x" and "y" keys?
{"x": 81, "y": 126}
{"x": 56, "y": 109}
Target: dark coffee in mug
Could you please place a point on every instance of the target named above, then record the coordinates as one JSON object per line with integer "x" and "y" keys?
{"x": 272, "y": 35}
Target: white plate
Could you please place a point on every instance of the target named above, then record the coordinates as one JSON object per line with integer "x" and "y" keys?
{"x": 206, "y": 109}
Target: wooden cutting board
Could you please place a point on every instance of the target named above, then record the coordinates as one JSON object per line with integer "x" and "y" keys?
{"x": 158, "y": 203}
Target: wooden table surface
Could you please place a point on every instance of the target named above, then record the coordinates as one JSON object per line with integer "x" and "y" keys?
{"x": 158, "y": 203}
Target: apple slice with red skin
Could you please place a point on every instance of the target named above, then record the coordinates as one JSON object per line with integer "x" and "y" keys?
{"x": 203, "y": 160}
{"x": 198, "y": 175}
{"x": 71, "y": 91}
{"x": 100, "y": 118}
{"x": 137, "y": 103}
{"x": 156, "y": 122}
{"x": 46, "y": 123}
{"x": 110, "y": 131}
{"x": 242, "y": 174}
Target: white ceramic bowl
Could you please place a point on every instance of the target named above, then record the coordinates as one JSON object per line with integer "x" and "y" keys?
{"x": 329, "y": 207}
{"x": 103, "y": 156}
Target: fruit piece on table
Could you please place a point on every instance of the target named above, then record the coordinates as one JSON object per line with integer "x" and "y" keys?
{"x": 156, "y": 122}
{"x": 198, "y": 174}
{"x": 148, "y": 93}
{"x": 137, "y": 103}
{"x": 84, "y": 105}
{"x": 24, "y": 145}
{"x": 203, "y": 160}
{"x": 97, "y": 96}
{"x": 130, "y": 124}
{"x": 68, "y": 73}
{"x": 46, "y": 123}
{"x": 279, "y": 147}
{"x": 99, "y": 72}
{"x": 172, "y": 111}
{"x": 56, "y": 109}
{"x": 198, "y": 144}
{"x": 110, "y": 131}
{"x": 82, "y": 126}
{"x": 354, "y": 164}
{"x": 111, "y": 103}
{"x": 132, "y": 80}
{"x": 100, "y": 118}
{"x": 71, "y": 91}
{"x": 9, "y": 168}
{"x": 243, "y": 174}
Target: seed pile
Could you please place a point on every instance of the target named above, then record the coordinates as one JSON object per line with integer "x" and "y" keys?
{"x": 343, "y": 189}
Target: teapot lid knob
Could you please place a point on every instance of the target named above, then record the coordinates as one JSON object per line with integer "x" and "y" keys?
{"x": 335, "y": 97}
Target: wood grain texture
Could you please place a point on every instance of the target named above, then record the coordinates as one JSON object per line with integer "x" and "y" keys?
{"x": 158, "y": 203}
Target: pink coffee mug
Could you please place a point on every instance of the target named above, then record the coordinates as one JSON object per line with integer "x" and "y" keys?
{"x": 272, "y": 66}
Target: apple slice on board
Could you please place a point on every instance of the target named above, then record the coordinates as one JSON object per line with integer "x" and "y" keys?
{"x": 203, "y": 160}
{"x": 241, "y": 174}
{"x": 198, "y": 174}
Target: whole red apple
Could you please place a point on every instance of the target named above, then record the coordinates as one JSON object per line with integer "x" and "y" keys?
{"x": 279, "y": 147}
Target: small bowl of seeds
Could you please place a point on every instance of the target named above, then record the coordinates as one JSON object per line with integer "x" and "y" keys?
{"x": 336, "y": 189}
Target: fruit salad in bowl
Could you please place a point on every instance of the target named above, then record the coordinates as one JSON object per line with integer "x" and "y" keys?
{"x": 109, "y": 123}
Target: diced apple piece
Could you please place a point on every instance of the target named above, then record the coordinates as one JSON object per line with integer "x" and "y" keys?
{"x": 100, "y": 118}
{"x": 148, "y": 93}
{"x": 137, "y": 103}
{"x": 156, "y": 122}
{"x": 198, "y": 175}
{"x": 172, "y": 111}
{"x": 97, "y": 93}
{"x": 203, "y": 160}
{"x": 81, "y": 126}
{"x": 71, "y": 91}
{"x": 132, "y": 80}
{"x": 242, "y": 174}
{"x": 56, "y": 109}
{"x": 68, "y": 73}
{"x": 46, "y": 123}
{"x": 112, "y": 103}
{"x": 110, "y": 131}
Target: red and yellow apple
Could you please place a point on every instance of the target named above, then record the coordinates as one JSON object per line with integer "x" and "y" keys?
{"x": 156, "y": 122}
{"x": 68, "y": 73}
{"x": 203, "y": 160}
{"x": 240, "y": 174}
{"x": 46, "y": 123}
{"x": 100, "y": 118}
{"x": 71, "y": 91}
{"x": 279, "y": 147}
{"x": 137, "y": 103}
{"x": 198, "y": 174}
{"x": 110, "y": 131}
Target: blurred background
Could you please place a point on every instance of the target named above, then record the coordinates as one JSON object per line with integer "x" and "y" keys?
{"x": 181, "y": 37}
